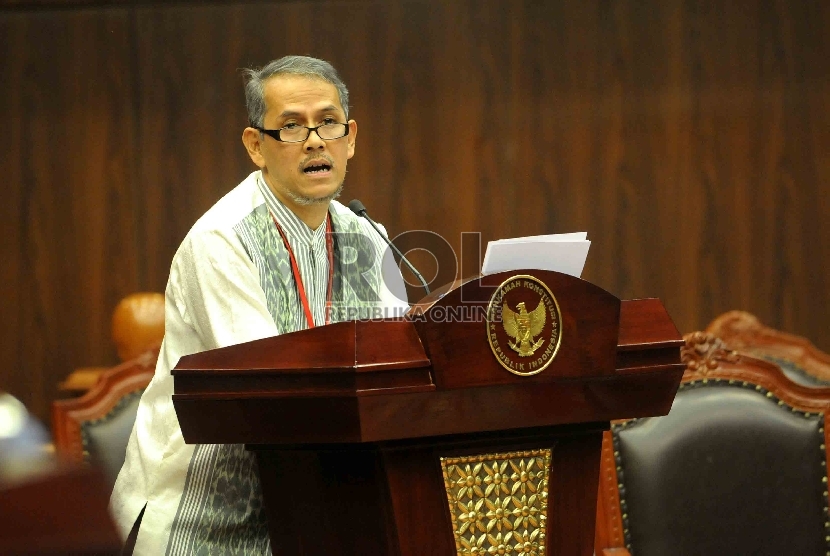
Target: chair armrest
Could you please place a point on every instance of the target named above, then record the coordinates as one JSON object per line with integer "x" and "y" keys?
{"x": 615, "y": 552}
{"x": 82, "y": 380}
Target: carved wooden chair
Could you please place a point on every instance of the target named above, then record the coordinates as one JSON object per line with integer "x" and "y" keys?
{"x": 137, "y": 326}
{"x": 739, "y": 466}
{"x": 96, "y": 426}
{"x": 800, "y": 360}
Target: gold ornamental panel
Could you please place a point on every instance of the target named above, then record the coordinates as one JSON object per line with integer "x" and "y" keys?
{"x": 498, "y": 502}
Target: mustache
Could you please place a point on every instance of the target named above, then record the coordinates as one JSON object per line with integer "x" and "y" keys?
{"x": 316, "y": 156}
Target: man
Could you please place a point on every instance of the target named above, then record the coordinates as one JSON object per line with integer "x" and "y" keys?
{"x": 275, "y": 255}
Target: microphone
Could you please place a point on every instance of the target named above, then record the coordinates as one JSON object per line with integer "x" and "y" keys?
{"x": 357, "y": 207}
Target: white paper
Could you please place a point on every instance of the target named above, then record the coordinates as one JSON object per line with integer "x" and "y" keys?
{"x": 564, "y": 253}
{"x": 573, "y": 236}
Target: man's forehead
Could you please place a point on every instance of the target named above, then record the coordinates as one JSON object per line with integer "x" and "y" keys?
{"x": 293, "y": 93}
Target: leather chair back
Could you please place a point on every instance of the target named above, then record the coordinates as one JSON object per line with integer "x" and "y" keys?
{"x": 739, "y": 466}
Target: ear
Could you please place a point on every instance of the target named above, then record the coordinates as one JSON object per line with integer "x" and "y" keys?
{"x": 352, "y": 137}
{"x": 252, "y": 139}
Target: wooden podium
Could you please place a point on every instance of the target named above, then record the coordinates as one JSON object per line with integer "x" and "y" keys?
{"x": 410, "y": 437}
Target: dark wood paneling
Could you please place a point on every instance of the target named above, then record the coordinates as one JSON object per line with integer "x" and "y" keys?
{"x": 190, "y": 115}
{"x": 689, "y": 138}
{"x": 69, "y": 237}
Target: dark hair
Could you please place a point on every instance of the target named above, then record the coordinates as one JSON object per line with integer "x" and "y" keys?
{"x": 291, "y": 65}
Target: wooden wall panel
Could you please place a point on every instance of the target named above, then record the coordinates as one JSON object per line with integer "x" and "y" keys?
{"x": 69, "y": 242}
{"x": 190, "y": 114}
{"x": 11, "y": 218}
{"x": 688, "y": 137}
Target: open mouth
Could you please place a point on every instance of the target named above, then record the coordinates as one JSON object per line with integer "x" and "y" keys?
{"x": 317, "y": 168}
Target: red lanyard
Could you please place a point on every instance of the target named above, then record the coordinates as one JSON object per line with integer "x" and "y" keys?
{"x": 298, "y": 279}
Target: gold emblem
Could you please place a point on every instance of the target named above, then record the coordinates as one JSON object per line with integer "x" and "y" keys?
{"x": 532, "y": 336}
{"x": 524, "y": 326}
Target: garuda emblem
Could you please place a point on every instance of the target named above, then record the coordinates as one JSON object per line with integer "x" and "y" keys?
{"x": 523, "y": 326}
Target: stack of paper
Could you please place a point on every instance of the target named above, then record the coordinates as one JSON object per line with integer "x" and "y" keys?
{"x": 564, "y": 253}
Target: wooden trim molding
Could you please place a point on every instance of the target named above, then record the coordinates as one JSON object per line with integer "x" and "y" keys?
{"x": 609, "y": 528}
{"x": 114, "y": 384}
{"x": 743, "y": 332}
{"x": 615, "y": 552}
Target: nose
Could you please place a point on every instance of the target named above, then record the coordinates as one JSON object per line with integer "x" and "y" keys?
{"x": 314, "y": 142}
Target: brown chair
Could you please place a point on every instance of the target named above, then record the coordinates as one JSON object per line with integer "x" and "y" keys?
{"x": 800, "y": 360}
{"x": 137, "y": 326}
{"x": 96, "y": 426}
{"x": 739, "y": 465}
{"x": 58, "y": 513}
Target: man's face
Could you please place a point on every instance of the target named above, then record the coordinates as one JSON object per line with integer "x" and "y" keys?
{"x": 307, "y": 173}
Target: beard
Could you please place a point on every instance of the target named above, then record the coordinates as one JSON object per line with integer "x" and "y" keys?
{"x": 307, "y": 201}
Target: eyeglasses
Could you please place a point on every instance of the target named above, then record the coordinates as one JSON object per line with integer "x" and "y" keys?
{"x": 298, "y": 133}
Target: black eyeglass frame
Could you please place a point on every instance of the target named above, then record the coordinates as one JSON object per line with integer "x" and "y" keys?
{"x": 275, "y": 133}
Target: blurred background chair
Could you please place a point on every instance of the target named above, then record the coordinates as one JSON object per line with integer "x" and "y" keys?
{"x": 739, "y": 466}
{"x": 23, "y": 442}
{"x": 96, "y": 426}
{"x": 800, "y": 360}
{"x": 137, "y": 327}
{"x": 48, "y": 508}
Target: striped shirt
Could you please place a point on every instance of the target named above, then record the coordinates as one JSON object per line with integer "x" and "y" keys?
{"x": 309, "y": 248}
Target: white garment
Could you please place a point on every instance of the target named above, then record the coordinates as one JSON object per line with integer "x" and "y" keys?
{"x": 213, "y": 299}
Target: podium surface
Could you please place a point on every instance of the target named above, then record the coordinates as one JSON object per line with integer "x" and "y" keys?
{"x": 472, "y": 426}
